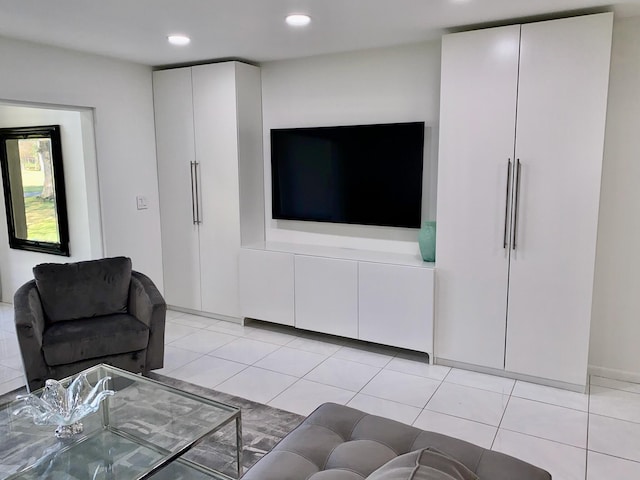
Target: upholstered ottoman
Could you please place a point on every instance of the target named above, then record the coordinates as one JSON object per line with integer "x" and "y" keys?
{"x": 340, "y": 443}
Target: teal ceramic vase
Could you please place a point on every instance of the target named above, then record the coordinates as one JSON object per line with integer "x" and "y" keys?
{"x": 427, "y": 241}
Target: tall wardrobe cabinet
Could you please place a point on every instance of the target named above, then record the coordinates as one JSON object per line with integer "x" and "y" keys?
{"x": 521, "y": 141}
{"x": 210, "y": 166}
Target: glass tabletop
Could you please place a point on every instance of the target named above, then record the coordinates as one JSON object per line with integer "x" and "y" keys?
{"x": 142, "y": 428}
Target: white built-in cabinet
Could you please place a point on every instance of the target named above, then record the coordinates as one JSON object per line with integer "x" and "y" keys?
{"x": 521, "y": 142}
{"x": 210, "y": 166}
{"x": 371, "y": 296}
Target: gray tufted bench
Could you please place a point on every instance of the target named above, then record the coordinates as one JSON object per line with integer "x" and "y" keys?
{"x": 340, "y": 443}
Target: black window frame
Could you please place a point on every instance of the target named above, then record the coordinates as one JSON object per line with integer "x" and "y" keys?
{"x": 53, "y": 133}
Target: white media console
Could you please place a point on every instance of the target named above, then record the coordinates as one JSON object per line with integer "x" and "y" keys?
{"x": 378, "y": 297}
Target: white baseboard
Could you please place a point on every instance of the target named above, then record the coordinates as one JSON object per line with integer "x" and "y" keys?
{"x": 516, "y": 376}
{"x": 614, "y": 374}
{"x": 215, "y": 316}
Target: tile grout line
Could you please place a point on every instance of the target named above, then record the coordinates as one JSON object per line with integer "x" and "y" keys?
{"x": 212, "y": 352}
{"x": 280, "y": 393}
{"x": 432, "y": 395}
{"x": 390, "y": 401}
{"x": 284, "y": 373}
{"x": 634, "y": 422}
{"x": 462, "y": 418}
{"x": 543, "y": 438}
{"x": 504, "y": 412}
{"x": 550, "y": 404}
{"x": 360, "y": 392}
{"x": 483, "y": 389}
{"x": 238, "y": 373}
{"x": 614, "y": 456}
{"x": 368, "y": 382}
{"x": 318, "y": 383}
{"x": 356, "y": 391}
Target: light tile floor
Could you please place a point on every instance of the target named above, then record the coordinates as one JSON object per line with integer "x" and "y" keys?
{"x": 593, "y": 436}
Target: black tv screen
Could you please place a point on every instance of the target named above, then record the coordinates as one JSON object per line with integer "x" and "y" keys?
{"x": 364, "y": 174}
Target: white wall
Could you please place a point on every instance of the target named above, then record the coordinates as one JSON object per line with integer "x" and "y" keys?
{"x": 120, "y": 94}
{"x": 85, "y": 239}
{"x": 615, "y": 326}
{"x": 400, "y": 84}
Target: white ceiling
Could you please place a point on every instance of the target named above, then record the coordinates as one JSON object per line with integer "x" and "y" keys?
{"x": 254, "y": 30}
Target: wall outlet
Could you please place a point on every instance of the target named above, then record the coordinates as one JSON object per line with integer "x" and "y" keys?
{"x": 141, "y": 202}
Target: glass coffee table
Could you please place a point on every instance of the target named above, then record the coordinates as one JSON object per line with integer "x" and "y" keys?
{"x": 142, "y": 431}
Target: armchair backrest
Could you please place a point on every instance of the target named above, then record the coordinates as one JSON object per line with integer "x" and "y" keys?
{"x": 93, "y": 288}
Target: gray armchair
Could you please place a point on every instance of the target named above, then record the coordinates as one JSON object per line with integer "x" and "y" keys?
{"x": 76, "y": 315}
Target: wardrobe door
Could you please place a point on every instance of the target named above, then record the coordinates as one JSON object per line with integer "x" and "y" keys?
{"x": 173, "y": 105}
{"x": 477, "y": 127}
{"x": 216, "y": 134}
{"x": 562, "y": 97}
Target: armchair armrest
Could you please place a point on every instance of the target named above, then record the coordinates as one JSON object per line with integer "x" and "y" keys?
{"x": 147, "y": 305}
{"x": 30, "y": 325}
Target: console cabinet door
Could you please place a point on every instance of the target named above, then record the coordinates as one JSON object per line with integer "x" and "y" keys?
{"x": 327, "y": 295}
{"x": 266, "y": 286}
{"x": 173, "y": 105}
{"x": 396, "y": 306}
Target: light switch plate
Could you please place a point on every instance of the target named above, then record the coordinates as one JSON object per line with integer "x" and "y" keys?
{"x": 141, "y": 202}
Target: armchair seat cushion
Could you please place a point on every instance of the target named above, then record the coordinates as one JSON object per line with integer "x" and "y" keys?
{"x": 78, "y": 290}
{"x": 82, "y": 339}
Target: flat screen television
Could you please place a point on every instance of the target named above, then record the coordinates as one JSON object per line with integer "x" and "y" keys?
{"x": 362, "y": 174}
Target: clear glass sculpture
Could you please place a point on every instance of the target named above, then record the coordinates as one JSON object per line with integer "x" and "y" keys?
{"x": 65, "y": 407}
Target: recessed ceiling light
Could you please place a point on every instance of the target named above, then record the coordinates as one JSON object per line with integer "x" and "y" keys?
{"x": 298, "y": 20}
{"x": 178, "y": 39}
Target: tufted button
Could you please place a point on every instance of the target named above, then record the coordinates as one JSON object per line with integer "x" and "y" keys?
{"x": 361, "y": 456}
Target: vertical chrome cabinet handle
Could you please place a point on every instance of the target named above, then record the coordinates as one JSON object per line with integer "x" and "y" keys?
{"x": 506, "y": 204}
{"x": 193, "y": 198}
{"x": 515, "y": 205}
{"x": 198, "y": 219}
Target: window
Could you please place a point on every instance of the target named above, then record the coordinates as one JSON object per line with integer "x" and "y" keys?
{"x": 34, "y": 194}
